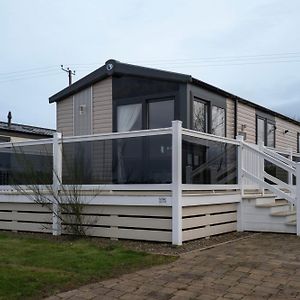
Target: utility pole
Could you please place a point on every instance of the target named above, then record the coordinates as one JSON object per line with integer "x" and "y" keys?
{"x": 70, "y": 73}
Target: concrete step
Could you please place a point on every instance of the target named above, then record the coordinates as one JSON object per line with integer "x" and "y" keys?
{"x": 291, "y": 223}
{"x": 269, "y": 214}
{"x": 283, "y": 213}
{"x": 275, "y": 203}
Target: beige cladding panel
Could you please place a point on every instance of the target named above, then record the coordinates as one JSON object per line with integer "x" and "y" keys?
{"x": 247, "y": 120}
{"x": 230, "y": 118}
{"x": 286, "y": 140}
{"x": 64, "y": 116}
{"x": 102, "y": 106}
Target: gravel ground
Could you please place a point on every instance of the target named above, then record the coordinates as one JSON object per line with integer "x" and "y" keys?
{"x": 144, "y": 246}
{"x": 168, "y": 249}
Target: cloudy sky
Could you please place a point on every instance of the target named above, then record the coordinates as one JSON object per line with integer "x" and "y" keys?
{"x": 249, "y": 48}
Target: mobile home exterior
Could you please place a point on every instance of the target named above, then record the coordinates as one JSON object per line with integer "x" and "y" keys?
{"x": 93, "y": 105}
{"x": 174, "y": 157}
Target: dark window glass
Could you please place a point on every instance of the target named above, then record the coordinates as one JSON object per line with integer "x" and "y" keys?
{"x": 4, "y": 139}
{"x": 131, "y": 86}
{"x": 199, "y": 116}
{"x": 298, "y": 142}
{"x": 208, "y": 162}
{"x": 160, "y": 114}
{"x": 129, "y": 117}
{"x": 26, "y": 165}
{"x": 138, "y": 160}
{"x": 270, "y": 135}
{"x": 218, "y": 121}
{"x": 260, "y": 130}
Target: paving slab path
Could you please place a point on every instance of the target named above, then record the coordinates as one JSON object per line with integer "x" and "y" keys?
{"x": 264, "y": 266}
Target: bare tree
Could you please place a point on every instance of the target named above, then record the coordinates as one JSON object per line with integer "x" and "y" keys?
{"x": 34, "y": 178}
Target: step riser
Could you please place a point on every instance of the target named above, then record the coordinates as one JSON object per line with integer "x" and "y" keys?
{"x": 280, "y": 208}
{"x": 291, "y": 218}
{"x": 269, "y": 200}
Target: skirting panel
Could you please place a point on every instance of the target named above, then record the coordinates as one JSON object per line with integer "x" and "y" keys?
{"x": 112, "y": 221}
{"x": 25, "y": 217}
{"x": 207, "y": 220}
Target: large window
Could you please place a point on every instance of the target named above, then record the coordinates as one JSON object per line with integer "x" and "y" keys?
{"x": 200, "y": 115}
{"x": 129, "y": 117}
{"x": 218, "y": 121}
{"x": 265, "y": 131}
{"x": 160, "y": 114}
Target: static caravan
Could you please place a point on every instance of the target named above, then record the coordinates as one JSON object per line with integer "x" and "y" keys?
{"x": 175, "y": 158}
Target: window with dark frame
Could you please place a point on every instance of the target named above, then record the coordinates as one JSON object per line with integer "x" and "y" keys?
{"x": 200, "y": 115}
{"x": 265, "y": 131}
{"x": 218, "y": 121}
{"x": 298, "y": 142}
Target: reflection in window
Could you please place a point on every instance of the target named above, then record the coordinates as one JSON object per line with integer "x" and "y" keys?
{"x": 218, "y": 121}
{"x": 160, "y": 114}
{"x": 208, "y": 162}
{"x": 270, "y": 135}
{"x": 129, "y": 117}
{"x": 199, "y": 116}
{"x": 260, "y": 130}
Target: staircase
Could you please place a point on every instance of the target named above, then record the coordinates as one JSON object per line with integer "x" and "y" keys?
{"x": 273, "y": 206}
{"x": 268, "y": 214}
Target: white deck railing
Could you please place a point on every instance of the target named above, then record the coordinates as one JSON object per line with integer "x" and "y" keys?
{"x": 248, "y": 169}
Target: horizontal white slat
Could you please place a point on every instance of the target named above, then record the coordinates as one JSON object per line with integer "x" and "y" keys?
{"x": 208, "y": 231}
{"x": 121, "y": 233}
{"x": 208, "y": 209}
{"x": 133, "y": 222}
{"x": 208, "y": 220}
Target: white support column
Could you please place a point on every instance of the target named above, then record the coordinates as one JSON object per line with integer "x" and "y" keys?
{"x": 176, "y": 182}
{"x": 57, "y": 180}
{"x": 240, "y": 226}
{"x": 298, "y": 198}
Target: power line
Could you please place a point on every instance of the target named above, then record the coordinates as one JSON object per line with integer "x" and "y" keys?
{"x": 221, "y": 61}
{"x": 29, "y": 70}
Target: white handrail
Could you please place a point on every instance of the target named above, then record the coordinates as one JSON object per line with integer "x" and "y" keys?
{"x": 280, "y": 157}
{"x": 117, "y": 135}
{"x": 279, "y": 182}
{"x": 26, "y": 143}
{"x": 271, "y": 159}
{"x": 207, "y": 136}
{"x": 270, "y": 187}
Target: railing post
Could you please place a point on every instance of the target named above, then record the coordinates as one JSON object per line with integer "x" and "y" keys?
{"x": 240, "y": 158}
{"x": 290, "y": 175}
{"x": 57, "y": 180}
{"x": 176, "y": 182}
{"x": 240, "y": 139}
{"x": 298, "y": 198}
{"x": 261, "y": 147}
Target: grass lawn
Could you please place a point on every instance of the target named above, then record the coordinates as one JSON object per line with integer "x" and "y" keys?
{"x": 35, "y": 267}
